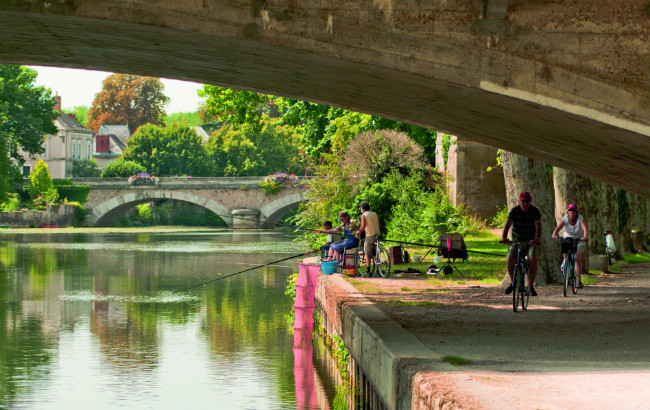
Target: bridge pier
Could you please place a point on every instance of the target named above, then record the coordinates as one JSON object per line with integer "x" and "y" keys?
{"x": 245, "y": 218}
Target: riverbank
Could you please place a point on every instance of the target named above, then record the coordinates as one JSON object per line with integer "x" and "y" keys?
{"x": 144, "y": 229}
{"x": 462, "y": 346}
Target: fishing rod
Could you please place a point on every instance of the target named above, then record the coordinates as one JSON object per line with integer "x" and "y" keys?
{"x": 248, "y": 270}
{"x": 319, "y": 231}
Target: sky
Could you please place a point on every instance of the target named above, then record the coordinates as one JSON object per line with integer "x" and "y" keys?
{"x": 78, "y": 87}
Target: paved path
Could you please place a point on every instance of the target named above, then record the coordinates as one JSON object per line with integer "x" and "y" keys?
{"x": 590, "y": 351}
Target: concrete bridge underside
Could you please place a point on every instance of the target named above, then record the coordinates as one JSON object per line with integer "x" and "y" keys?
{"x": 566, "y": 82}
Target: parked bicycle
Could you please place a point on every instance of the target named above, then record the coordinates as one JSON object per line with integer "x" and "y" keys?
{"x": 380, "y": 260}
{"x": 519, "y": 289}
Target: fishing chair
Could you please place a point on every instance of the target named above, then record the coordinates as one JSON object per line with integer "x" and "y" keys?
{"x": 452, "y": 247}
{"x": 349, "y": 256}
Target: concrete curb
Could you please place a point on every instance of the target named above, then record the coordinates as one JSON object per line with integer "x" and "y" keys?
{"x": 399, "y": 366}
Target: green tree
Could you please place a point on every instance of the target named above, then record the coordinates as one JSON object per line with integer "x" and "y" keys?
{"x": 85, "y": 168}
{"x": 80, "y": 112}
{"x": 175, "y": 150}
{"x": 128, "y": 99}
{"x": 26, "y": 115}
{"x": 321, "y": 128}
{"x": 237, "y": 151}
{"x": 122, "y": 169}
{"x": 192, "y": 119}
{"x": 40, "y": 181}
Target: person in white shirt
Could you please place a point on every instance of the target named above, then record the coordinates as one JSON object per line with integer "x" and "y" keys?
{"x": 574, "y": 227}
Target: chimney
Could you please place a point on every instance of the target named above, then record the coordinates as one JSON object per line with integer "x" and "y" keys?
{"x": 57, "y": 102}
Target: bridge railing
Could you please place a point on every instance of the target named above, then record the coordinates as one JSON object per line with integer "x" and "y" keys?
{"x": 180, "y": 182}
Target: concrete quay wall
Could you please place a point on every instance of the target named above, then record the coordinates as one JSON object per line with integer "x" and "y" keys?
{"x": 403, "y": 371}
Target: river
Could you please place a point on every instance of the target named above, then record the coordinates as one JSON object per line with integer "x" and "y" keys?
{"x": 114, "y": 320}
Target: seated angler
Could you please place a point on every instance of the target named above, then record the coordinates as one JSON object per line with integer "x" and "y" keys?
{"x": 348, "y": 228}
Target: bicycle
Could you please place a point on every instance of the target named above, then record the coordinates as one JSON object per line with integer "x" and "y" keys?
{"x": 519, "y": 288}
{"x": 380, "y": 260}
{"x": 569, "y": 248}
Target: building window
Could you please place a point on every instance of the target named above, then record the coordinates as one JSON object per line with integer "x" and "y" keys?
{"x": 79, "y": 150}
{"x": 90, "y": 148}
{"x": 27, "y": 169}
{"x": 73, "y": 147}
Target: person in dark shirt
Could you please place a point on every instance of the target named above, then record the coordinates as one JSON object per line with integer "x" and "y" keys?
{"x": 526, "y": 223}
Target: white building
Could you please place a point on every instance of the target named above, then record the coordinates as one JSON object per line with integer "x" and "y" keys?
{"x": 72, "y": 141}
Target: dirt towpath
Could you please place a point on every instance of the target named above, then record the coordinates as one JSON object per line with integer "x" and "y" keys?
{"x": 586, "y": 351}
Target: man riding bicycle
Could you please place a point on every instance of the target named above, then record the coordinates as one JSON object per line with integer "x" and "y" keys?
{"x": 526, "y": 223}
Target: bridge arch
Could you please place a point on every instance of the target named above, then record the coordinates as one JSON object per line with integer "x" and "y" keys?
{"x": 107, "y": 212}
{"x": 271, "y": 213}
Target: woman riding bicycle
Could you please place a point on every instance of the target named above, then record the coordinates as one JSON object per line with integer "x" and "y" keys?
{"x": 574, "y": 227}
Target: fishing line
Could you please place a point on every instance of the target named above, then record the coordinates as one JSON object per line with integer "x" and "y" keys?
{"x": 248, "y": 270}
{"x": 318, "y": 231}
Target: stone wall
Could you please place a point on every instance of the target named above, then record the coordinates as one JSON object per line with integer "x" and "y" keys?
{"x": 61, "y": 215}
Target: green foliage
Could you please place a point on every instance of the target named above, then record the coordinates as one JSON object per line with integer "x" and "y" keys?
{"x": 62, "y": 182}
{"x": 191, "y": 119}
{"x": 446, "y": 144}
{"x": 456, "y": 360}
{"x": 49, "y": 197}
{"x": 81, "y": 114}
{"x": 144, "y": 212}
{"x": 321, "y": 128}
{"x": 174, "y": 150}
{"x": 40, "y": 181}
{"x": 85, "y": 168}
{"x": 271, "y": 187}
{"x": 80, "y": 212}
{"x": 193, "y": 216}
{"x": 73, "y": 193}
{"x": 122, "y": 169}
{"x": 291, "y": 286}
{"x": 11, "y": 204}
{"x": 236, "y": 151}
{"x": 499, "y": 220}
{"x": 26, "y": 115}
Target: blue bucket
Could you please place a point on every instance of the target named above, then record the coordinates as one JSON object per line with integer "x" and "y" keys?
{"x": 328, "y": 267}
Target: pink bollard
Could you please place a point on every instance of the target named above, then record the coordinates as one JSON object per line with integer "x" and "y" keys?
{"x": 313, "y": 274}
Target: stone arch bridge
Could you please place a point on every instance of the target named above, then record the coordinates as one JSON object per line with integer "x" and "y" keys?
{"x": 566, "y": 82}
{"x": 240, "y": 202}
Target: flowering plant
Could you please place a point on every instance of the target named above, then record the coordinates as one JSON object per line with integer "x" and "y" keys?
{"x": 282, "y": 178}
{"x": 143, "y": 179}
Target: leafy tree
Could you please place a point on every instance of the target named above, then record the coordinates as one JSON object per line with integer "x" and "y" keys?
{"x": 321, "y": 128}
{"x": 128, "y": 99}
{"x": 237, "y": 151}
{"x": 81, "y": 114}
{"x": 26, "y": 115}
{"x": 175, "y": 150}
{"x": 85, "y": 168}
{"x": 122, "y": 169}
{"x": 40, "y": 180}
{"x": 191, "y": 119}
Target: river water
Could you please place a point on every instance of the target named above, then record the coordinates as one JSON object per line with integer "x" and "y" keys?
{"x": 106, "y": 321}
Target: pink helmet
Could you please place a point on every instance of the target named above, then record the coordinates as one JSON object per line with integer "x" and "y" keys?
{"x": 572, "y": 206}
{"x": 525, "y": 196}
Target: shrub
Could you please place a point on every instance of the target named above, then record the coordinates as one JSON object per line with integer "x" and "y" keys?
{"x": 80, "y": 212}
{"x": 122, "y": 169}
{"x": 144, "y": 212}
{"x": 271, "y": 187}
{"x": 40, "y": 181}
{"x": 48, "y": 198}
{"x": 87, "y": 168}
{"x": 12, "y": 203}
{"x": 62, "y": 182}
{"x": 73, "y": 193}
{"x": 499, "y": 220}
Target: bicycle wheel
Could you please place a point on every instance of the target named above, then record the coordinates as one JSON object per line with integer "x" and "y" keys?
{"x": 525, "y": 292}
{"x": 515, "y": 288}
{"x": 566, "y": 274}
{"x": 574, "y": 280}
{"x": 382, "y": 262}
{"x": 360, "y": 263}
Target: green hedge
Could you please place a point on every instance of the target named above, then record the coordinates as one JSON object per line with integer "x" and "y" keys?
{"x": 73, "y": 193}
{"x": 62, "y": 182}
